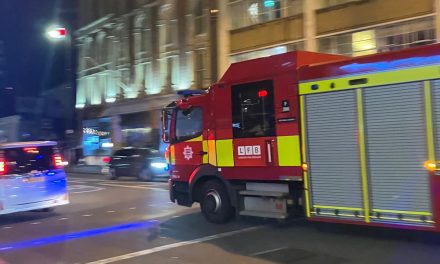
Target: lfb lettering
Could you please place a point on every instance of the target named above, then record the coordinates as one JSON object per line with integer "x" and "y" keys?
{"x": 249, "y": 150}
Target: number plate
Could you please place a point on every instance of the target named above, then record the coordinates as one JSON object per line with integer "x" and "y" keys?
{"x": 34, "y": 179}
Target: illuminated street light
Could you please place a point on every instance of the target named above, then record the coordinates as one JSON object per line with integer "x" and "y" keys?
{"x": 57, "y": 33}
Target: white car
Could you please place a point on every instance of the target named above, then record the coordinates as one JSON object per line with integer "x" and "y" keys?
{"x": 31, "y": 177}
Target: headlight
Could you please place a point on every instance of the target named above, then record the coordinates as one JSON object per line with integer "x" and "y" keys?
{"x": 159, "y": 165}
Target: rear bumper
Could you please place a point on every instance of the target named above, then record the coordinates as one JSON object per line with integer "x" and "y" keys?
{"x": 179, "y": 193}
{"x": 34, "y": 205}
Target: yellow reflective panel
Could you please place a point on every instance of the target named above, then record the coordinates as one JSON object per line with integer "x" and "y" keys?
{"x": 374, "y": 79}
{"x": 225, "y": 153}
{"x": 362, "y": 154}
{"x": 173, "y": 155}
{"x": 197, "y": 139}
{"x": 289, "y": 151}
{"x": 205, "y": 149}
{"x": 212, "y": 153}
{"x": 304, "y": 154}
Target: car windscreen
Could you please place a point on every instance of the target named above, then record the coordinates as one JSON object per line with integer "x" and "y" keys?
{"x": 28, "y": 159}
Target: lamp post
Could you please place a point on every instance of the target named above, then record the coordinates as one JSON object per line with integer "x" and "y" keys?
{"x": 61, "y": 35}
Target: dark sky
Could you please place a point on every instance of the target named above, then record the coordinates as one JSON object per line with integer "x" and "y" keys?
{"x": 33, "y": 63}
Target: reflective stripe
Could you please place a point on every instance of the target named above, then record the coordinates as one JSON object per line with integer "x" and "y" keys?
{"x": 304, "y": 156}
{"x": 173, "y": 154}
{"x": 205, "y": 149}
{"x": 338, "y": 207}
{"x": 376, "y": 79}
{"x": 197, "y": 139}
{"x": 289, "y": 153}
{"x": 429, "y": 121}
{"x": 402, "y": 212}
{"x": 212, "y": 153}
{"x": 362, "y": 155}
{"x": 225, "y": 153}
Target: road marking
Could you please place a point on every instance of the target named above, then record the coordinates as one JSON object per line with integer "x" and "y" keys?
{"x": 132, "y": 208}
{"x": 267, "y": 251}
{"x": 7, "y": 227}
{"x": 63, "y": 219}
{"x": 133, "y": 187}
{"x": 171, "y": 246}
{"x": 35, "y": 223}
{"x": 87, "y": 215}
{"x": 77, "y": 189}
{"x": 110, "y": 212}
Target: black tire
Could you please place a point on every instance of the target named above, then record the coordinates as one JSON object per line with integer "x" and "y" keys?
{"x": 145, "y": 175}
{"x": 215, "y": 203}
{"x": 112, "y": 175}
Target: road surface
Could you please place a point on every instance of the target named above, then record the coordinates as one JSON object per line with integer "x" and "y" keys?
{"x": 127, "y": 221}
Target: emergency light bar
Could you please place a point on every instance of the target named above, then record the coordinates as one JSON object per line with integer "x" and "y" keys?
{"x": 188, "y": 93}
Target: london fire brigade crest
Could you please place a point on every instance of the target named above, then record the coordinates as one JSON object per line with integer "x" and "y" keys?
{"x": 188, "y": 153}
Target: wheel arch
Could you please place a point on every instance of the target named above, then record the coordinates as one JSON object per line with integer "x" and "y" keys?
{"x": 207, "y": 173}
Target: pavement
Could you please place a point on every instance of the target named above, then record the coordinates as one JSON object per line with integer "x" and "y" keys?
{"x": 128, "y": 221}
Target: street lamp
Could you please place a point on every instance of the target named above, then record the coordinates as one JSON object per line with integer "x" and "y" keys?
{"x": 56, "y": 33}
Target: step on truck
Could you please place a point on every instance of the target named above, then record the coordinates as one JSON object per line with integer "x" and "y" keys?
{"x": 334, "y": 138}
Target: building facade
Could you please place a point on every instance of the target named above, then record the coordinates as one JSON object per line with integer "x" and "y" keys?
{"x": 135, "y": 54}
{"x": 349, "y": 27}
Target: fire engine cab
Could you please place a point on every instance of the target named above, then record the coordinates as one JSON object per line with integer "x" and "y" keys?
{"x": 339, "y": 139}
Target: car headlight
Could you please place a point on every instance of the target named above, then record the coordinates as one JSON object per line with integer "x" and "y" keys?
{"x": 159, "y": 165}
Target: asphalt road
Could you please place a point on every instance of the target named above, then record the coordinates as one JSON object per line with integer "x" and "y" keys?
{"x": 133, "y": 222}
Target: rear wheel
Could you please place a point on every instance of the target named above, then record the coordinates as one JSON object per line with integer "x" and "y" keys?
{"x": 215, "y": 203}
{"x": 112, "y": 174}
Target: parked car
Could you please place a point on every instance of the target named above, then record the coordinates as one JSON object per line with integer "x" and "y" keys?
{"x": 144, "y": 163}
{"x": 31, "y": 177}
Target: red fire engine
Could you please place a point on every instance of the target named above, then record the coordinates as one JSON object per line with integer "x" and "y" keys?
{"x": 350, "y": 140}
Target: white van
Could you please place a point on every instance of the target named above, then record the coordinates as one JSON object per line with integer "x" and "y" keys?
{"x": 31, "y": 177}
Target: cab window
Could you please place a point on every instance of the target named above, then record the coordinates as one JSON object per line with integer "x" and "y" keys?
{"x": 188, "y": 124}
{"x": 253, "y": 113}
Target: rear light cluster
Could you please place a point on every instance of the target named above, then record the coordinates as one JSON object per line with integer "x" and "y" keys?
{"x": 106, "y": 159}
{"x": 3, "y": 167}
{"x": 58, "y": 161}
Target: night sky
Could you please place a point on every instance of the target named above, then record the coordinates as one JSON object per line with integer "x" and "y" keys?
{"x": 32, "y": 63}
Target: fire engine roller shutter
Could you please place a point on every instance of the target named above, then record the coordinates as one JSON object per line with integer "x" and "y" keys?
{"x": 395, "y": 128}
{"x": 333, "y": 154}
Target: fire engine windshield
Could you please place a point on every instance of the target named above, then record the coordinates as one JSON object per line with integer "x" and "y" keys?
{"x": 188, "y": 124}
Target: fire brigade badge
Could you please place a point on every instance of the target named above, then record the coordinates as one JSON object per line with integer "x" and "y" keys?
{"x": 188, "y": 153}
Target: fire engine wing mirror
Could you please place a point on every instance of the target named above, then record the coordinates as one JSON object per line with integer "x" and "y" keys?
{"x": 164, "y": 119}
{"x": 166, "y": 115}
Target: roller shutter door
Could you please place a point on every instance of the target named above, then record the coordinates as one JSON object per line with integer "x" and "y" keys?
{"x": 332, "y": 150}
{"x": 395, "y": 128}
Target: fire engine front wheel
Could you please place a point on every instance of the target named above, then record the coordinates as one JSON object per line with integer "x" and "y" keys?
{"x": 215, "y": 203}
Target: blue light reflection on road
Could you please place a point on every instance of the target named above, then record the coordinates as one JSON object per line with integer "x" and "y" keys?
{"x": 44, "y": 241}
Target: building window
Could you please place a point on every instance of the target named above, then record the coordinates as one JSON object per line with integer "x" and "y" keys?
{"x": 249, "y": 12}
{"x": 364, "y": 43}
{"x": 199, "y": 18}
{"x": 406, "y": 35}
{"x": 200, "y": 68}
{"x": 381, "y": 39}
{"x": 253, "y": 113}
{"x": 267, "y": 52}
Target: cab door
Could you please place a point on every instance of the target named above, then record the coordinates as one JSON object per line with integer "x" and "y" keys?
{"x": 187, "y": 149}
{"x": 253, "y": 125}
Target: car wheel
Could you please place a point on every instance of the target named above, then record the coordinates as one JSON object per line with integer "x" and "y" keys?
{"x": 145, "y": 175}
{"x": 215, "y": 203}
{"x": 112, "y": 174}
